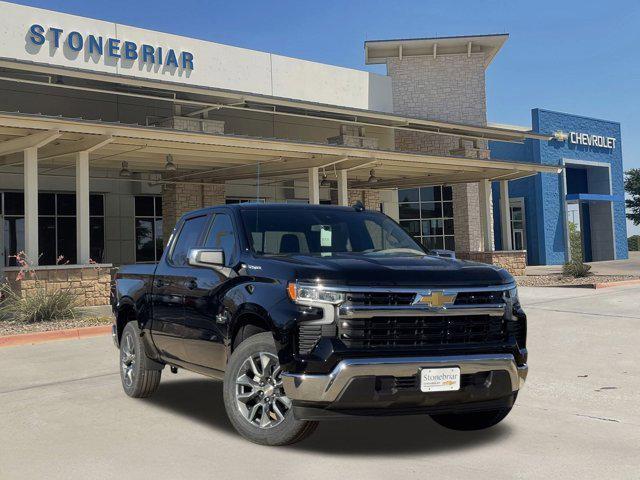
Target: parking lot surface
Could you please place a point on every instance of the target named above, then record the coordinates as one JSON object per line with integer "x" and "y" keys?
{"x": 63, "y": 414}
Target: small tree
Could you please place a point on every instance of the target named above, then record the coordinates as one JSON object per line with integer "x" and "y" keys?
{"x": 575, "y": 242}
{"x": 632, "y": 187}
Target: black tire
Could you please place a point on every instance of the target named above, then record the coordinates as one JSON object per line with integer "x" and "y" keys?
{"x": 288, "y": 430}
{"x": 471, "y": 421}
{"x": 140, "y": 378}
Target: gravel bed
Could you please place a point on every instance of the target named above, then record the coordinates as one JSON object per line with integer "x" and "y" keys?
{"x": 562, "y": 281}
{"x": 8, "y": 327}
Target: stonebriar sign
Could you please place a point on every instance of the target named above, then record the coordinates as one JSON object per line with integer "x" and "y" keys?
{"x": 115, "y": 48}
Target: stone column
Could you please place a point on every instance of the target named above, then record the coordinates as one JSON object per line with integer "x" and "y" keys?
{"x": 486, "y": 214}
{"x": 369, "y": 198}
{"x": 343, "y": 193}
{"x": 31, "y": 247}
{"x": 314, "y": 186}
{"x": 82, "y": 208}
{"x": 180, "y": 198}
{"x": 448, "y": 88}
{"x": 505, "y": 215}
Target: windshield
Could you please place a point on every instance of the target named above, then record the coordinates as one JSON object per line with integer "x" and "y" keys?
{"x": 325, "y": 232}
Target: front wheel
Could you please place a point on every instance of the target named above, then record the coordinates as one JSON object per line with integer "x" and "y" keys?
{"x": 471, "y": 421}
{"x": 254, "y": 398}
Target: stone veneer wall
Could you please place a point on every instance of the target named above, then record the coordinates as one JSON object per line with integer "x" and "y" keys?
{"x": 448, "y": 88}
{"x": 369, "y": 198}
{"x": 180, "y": 198}
{"x": 513, "y": 261}
{"x": 91, "y": 284}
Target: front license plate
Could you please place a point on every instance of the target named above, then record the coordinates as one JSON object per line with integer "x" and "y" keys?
{"x": 440, "y": 379}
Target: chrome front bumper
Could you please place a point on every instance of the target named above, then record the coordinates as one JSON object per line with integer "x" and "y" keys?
{"x": 327, "y": 388}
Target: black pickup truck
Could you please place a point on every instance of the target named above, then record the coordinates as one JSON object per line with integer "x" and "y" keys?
{"x": 316, "y": 312}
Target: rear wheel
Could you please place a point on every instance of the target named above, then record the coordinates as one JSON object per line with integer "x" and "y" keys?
{"x": 254, "y": 399}
{"x": 139, "y": 378}
{"x": 471, "y": 421}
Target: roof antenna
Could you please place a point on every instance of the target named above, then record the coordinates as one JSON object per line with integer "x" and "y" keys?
{"x": 358, "y": 206}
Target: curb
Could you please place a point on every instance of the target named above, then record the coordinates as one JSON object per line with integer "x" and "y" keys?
{"x": 52, "y": 335}
{"x": 614, "y": 284}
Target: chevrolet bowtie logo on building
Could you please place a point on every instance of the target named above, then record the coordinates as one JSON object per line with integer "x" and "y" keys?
{"x": 435, "y": 299}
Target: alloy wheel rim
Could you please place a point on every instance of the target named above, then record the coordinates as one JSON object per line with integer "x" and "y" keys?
{"x": 259, "y": 393}
{"x": 128, "y": 360}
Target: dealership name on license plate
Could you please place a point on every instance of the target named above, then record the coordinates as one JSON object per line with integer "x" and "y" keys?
{"x": 440, "y": 379}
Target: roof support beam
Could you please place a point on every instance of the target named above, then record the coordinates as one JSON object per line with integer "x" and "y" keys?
{"x": 435, "y": 50}
{"x": 469, "y": 50}
{"x": 88, "y": 144}
{"x": 35, "y": 140}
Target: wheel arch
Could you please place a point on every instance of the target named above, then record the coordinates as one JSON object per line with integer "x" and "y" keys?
{"x": 248, "y": 322}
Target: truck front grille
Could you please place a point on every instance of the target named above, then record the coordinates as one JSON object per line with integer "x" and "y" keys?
{"x": 480, "y": 298}
{"x": 383, "y": 299}
{"x": 421, "y": 331}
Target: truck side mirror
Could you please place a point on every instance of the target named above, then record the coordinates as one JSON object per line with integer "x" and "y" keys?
{"x": 206, "y": 257}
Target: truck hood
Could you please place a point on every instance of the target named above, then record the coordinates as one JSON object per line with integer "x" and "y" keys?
{"x": 383, "y": 270}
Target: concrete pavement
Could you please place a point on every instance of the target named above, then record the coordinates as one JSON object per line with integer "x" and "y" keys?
{"x": 63, "y": 414}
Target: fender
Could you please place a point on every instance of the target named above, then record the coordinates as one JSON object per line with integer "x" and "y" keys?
{"x": 266, "y": 299}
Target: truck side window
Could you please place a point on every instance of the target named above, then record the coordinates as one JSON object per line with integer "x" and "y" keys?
{"x": 187, "y": 239}
{"x": 221, "y": 236}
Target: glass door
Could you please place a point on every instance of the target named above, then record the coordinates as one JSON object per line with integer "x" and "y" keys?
{"x": 518, "y": 232}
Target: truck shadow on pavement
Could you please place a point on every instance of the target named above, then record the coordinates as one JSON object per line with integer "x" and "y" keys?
{"x": 201, "y": 400}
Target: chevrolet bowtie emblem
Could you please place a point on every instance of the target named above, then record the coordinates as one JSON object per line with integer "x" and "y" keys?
{"x": 435, "y": 298}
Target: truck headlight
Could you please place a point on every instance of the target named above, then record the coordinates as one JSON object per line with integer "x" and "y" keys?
{"x": 512, "y": 294}
{"x": 307, "y": 294}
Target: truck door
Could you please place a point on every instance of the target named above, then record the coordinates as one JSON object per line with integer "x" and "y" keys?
{"x": 204, "y": 334}
{"x": 170, "y": 286}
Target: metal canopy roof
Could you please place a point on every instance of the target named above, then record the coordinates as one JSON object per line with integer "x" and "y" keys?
{"x": 217, "y": 158}
{"x": 377, "y": 51}
{"x": 201, "y": 98}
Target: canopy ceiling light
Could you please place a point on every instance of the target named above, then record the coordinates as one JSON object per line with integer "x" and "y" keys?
{"x": 372, "y": 177}
{"x": 169, "y": 165}
{"x": 124, "y": 171}
{"x": 324, "y": 182}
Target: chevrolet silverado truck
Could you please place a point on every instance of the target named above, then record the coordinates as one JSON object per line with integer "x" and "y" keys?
{"x": 313, "y": 312}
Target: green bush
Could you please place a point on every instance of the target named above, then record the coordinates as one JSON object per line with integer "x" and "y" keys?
{"x": 576, "y": 269}
{"x": 39, "y": 306}
{"x": 634, "y": 243}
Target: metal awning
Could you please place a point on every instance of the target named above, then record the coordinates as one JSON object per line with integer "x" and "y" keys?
{"x": 198, "y": 99}
{"x": 216, "y": 158}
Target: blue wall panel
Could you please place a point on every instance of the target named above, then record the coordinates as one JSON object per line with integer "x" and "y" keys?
{"x": 544, "y": 195}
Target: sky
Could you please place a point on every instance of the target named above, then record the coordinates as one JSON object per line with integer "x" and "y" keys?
{"x": 575, "y": 56}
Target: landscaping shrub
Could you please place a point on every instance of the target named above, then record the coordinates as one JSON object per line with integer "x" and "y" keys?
{"x": 39, "y": 306}
{"x": 576, "y": 269}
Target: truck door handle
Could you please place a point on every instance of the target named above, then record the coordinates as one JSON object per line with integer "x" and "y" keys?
{"x": 191, "y": 284}
{"x": 161, "y": 283}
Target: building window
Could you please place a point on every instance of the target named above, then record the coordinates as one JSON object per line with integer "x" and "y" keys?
{"x": 148, "y": 223}
{"x": 427, "y": 214}
{"x": 56, "y": 227}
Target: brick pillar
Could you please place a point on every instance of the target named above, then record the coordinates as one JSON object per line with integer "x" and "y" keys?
{"x": 213, "y": 195}
{"x": 369, "y": 198}
{"x": 467, "y": 226}
{"x": 180, "y": 198}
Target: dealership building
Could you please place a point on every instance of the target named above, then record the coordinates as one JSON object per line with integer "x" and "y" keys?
{"x": 109, "y": 133}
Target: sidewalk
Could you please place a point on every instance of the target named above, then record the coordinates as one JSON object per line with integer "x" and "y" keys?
{"x": 612, "y": 267}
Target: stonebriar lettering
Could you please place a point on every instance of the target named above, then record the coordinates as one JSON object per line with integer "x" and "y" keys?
{"x": 111, "y": 47}
{"x": 592, "y": 140}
